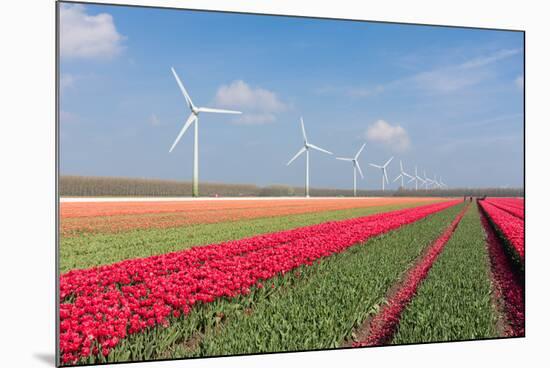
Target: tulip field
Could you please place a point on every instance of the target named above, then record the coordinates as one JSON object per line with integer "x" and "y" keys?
{"x": 162, "y": 280}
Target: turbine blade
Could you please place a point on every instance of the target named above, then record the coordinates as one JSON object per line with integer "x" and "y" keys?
{"x": 411, "y": 180}
{"x": 302, "y": 150}
{"x": 344, "y": 158}
{"x": 401, "y": 165}
{"x": 377, "y": 166}
{"x": 360, "y": 150}
{"x": 183, "y": 90}
{"x": 359, "y": 169}
{"x": 218, "y": 111}
{"x": 385, "y": 175}
{"x": 319, "y": 148}
{"x": 397, "y": 178}
{"x": 189, "y": 121}
{"x": 303, "y": 129}
{"x": 387, "y": 162}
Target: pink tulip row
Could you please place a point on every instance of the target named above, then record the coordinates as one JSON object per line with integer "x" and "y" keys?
{"x": 510, "y": 226}
{"x": 508, "y": 283}
{"x": 510, "y": 202}
{"x": 511, "y": 205}
{"x": 102, "y": 305}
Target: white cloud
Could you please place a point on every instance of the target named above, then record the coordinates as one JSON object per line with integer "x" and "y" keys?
{"x": 446, "y": 79}
{"x": 259, "y": 106}
{"x": 455, "y": 77}
{"x": 393, "y": 136}
{"x": 259, "y": 118}
{"x": 66, "y": 81}
{"x": 154, "y": 120}
{"x": 489, "y": 59}
{"x": 67, "y": 117}
{"x": 520, "y": 82}
{"x": 87, "y": 36}
{"x": 484, "y": 122}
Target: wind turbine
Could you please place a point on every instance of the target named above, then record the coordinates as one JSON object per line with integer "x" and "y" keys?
{"x": 305, "y": 149}
{"x": 436, "y": 182}
{"x": 384, "y": 172}
{"x": 356, "y": 167}
{"x": 402, "y": 175}
{"x": 442, "y": 183}
{"x": 416, "y": 178}
{"x": 194, "y": 118}
{"x": 427, "y": 181}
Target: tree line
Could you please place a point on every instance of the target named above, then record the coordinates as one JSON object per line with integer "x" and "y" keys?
{"x": 98, "y": 186}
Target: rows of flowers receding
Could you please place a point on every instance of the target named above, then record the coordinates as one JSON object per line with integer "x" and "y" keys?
{"x": 78, "y": 218}
{"x": 102, "y": 305}
{"x": 384, "y": 324}
{"x": 510, "y": 202}
{"x": 510, "y": 226}
{"x": 508, "y": 284}
{"x": 95, "y": 209}
{"x": 511, "y": 205}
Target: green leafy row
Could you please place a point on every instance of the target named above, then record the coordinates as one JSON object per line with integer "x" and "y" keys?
{"x": 98, "y": 249}
{"x": 454, "y": 302}
{"x": 314, "y": 307}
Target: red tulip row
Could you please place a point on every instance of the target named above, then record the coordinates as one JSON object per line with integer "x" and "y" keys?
{"x": 510, "y": 226}
{"x": 510, "y": 205}
{"x": 384, "y": 324}
{"x": 510, "y": 202}
{"x": 102, "y": 305}
{"x": 508, "y": 284}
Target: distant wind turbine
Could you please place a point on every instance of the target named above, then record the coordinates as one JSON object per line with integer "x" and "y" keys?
{"x": 402, "y": 175}
{"x": 436, "y": 183}
{"x": 305, "y": 149}
{"x": 356, "y": 167}
{"x": 416, "y": 178}
{"x": 384, "y": 171}
{"x": 194, "y": 118}
{"x": 427, "y": 181}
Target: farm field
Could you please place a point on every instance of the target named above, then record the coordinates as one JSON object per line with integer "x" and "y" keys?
{"x": 157, "y": 280}
{"x": 111, "y": 217}
{"x": 98, "y": 238}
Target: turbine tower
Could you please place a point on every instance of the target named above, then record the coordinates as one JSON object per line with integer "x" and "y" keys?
{"x": 305, "y": 149}
{"x": 402, "y": 175}
{"x": 417, "y": 178}
{"x": 436, "y": 183}
{"x": 194, "y": 118}
{"x": 356, "y": 167}
{"x": 384, "y": 172}
{"x": 427, "y": 181}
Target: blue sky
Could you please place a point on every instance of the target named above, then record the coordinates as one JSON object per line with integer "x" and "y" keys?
{"x": 449, "y": 100}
